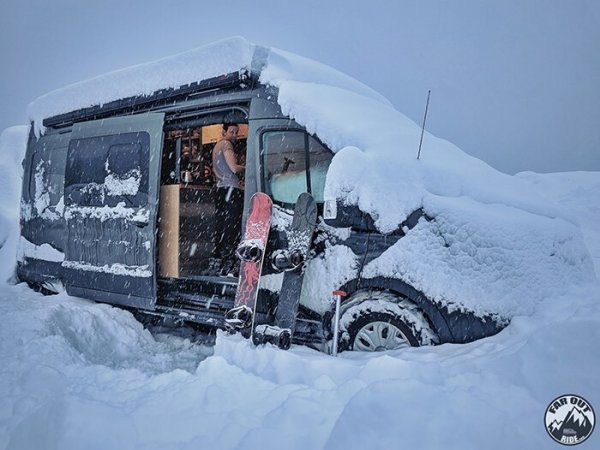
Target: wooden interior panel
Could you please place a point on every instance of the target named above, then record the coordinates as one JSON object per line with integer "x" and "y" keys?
{"x": 212, "y": 133}
{"x": 168, "y": 231}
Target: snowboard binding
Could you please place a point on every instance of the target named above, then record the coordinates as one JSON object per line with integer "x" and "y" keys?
{"x": 284, "y": 260}
{"x": 238, "y": 318}
{"x": 269, "y": 334}
{"x": 251, "y": 251}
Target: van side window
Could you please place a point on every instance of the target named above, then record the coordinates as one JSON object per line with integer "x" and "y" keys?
{"x": 108, "y": 170}
{"x": 284, "y": 156}
{"x": 46, "y": 183}
{"x": 284, "y": 164}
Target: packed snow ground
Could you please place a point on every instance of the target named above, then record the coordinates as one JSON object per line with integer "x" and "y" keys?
{"x": 74, "y": 374}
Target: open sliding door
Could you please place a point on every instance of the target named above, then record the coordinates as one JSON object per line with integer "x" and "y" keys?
{"x": 111, "y": 199}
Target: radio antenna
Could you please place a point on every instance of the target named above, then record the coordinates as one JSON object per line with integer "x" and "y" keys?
{"x": 423, "y": 127}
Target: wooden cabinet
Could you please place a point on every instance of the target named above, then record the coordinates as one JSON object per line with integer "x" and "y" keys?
{"x": 185, "y": 229}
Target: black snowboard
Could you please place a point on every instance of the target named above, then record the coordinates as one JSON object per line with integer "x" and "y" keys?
{"x": 291, "y": 260}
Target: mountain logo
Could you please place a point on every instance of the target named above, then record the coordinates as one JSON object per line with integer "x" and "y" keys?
{"x": 570, "y": 419}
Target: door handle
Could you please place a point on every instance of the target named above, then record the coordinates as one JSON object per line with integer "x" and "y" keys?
{"x": 140, "y": 223}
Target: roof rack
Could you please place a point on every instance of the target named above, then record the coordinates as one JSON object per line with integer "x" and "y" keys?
{"x": 141, "y": 103}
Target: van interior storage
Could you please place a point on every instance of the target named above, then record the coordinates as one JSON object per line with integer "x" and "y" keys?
{"x": 186, "y": 230}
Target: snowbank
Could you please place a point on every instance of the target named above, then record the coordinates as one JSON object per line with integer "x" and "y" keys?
{"x": 82, "y": 375}
{"x": 562, "y": 188}
{"x": 493, "y": 259}
{"x": 12, "y": 150}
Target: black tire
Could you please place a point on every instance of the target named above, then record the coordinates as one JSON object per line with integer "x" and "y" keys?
{"x": 369, "y": 322}
{"x": 384, "y": 322}
{"x": 39, "y": 287}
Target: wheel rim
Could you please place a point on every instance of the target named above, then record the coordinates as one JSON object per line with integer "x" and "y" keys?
{"x": 379, "y": 336}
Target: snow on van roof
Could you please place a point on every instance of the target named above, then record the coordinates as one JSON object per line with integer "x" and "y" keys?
{"x": 219, "y": 58}
{"x": 494, "y": 247}
{"x": 209, "y": 61}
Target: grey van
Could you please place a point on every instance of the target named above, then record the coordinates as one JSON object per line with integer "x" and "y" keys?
{"x": 112, "y": 211}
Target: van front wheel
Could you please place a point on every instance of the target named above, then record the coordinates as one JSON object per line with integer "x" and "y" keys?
{"x": 376, "y": 332}
{"x": 375, "y": 325}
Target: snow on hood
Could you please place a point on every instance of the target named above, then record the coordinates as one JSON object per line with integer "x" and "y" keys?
{"x": 375, "y": 167}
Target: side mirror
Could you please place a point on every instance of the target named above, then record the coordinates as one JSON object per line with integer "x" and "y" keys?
{"x": 337, "y": 214}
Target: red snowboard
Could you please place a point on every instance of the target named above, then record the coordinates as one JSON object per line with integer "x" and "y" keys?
{"x": 251, "y": 252}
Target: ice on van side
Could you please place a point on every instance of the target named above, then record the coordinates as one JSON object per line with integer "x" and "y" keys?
{"x": 494, "y": 245}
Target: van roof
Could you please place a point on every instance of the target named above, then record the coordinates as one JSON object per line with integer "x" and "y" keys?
{"x": 224, "y": 63}
{"x": 139, "y": 103}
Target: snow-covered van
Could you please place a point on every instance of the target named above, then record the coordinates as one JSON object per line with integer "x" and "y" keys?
{"x": 431, "y": 250}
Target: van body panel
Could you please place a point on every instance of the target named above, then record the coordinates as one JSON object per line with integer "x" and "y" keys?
{"x": 264, "y": 105}
{"x": 43, "y": 184}
{"x": 111, "y": 198}
{"x": 43, "y": 228}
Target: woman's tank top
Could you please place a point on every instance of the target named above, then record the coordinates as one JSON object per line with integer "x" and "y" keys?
{"x": 225, "y": 176}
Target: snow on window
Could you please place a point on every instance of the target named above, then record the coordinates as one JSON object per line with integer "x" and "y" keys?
{"x": 26, "y": 211}
{"x": 120, "y": 211}
{"x": 41, "y": 195}
{"x": 46, "y": 187}
{"x": 115, "y": 269}
{"x": 60, "y": 206}
{"x": 123, "y": 174}
{"x": 128, "y": 184}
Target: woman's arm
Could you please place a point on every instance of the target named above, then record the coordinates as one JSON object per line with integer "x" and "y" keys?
{"x": 231, "y": 159}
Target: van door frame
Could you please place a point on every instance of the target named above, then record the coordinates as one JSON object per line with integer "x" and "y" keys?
{"x": 262, "y": 126}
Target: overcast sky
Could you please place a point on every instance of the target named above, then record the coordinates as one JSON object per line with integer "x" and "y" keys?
{"x": 514, "y": 82}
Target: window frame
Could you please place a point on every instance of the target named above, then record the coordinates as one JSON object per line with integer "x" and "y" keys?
{"x": 307, "y": 160}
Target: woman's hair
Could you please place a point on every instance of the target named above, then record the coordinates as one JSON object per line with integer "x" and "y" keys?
{"x": 227, "y": 125}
